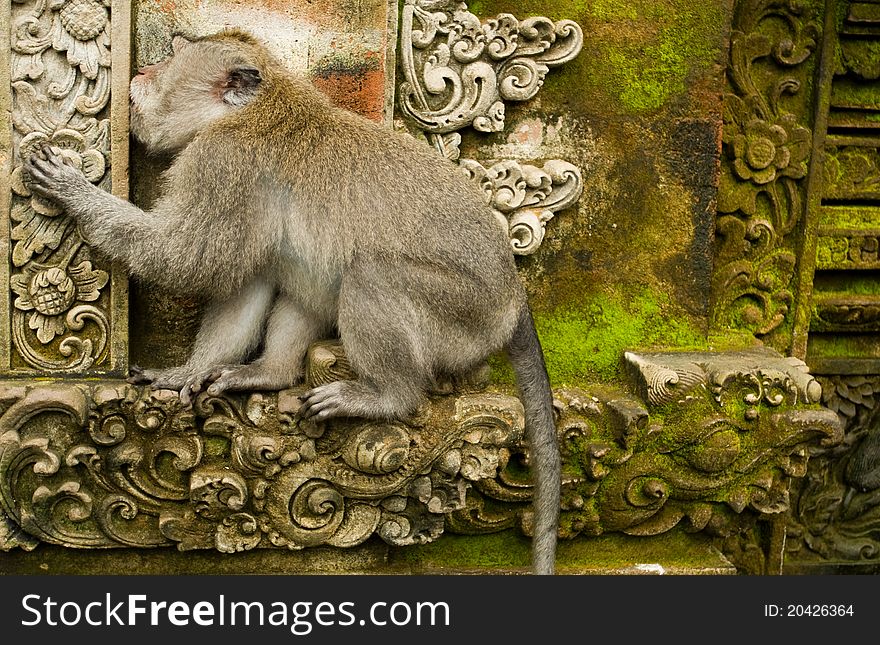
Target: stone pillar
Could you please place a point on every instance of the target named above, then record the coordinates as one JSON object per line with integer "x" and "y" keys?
{"x": 65, "y": 310}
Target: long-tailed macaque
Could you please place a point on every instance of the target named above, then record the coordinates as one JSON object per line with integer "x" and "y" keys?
{"x": 300, "y": 220}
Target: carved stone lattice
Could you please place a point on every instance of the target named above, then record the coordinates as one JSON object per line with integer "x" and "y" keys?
{"x": 766, "y": 150}
{"x": 61, "y": 318}
{"x": 459, "y": 72}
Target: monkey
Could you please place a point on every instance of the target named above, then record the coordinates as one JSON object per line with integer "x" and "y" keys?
{"x": 299, "y": 220}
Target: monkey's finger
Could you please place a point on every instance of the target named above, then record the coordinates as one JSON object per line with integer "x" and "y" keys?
{"x": 50, "y": 155}
{"x": 322, "y": 410}
{"x": 38, "y": 184}
{"x": 42, "y": 165}
{"x": 186, "y": 397}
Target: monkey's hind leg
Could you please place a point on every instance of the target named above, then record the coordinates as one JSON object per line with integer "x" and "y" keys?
{"x": 289, "y": 333}
{"x": 383, "y": 345}
{"x": 230, "y": 329}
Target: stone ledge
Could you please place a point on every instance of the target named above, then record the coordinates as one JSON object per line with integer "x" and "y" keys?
{"x": 103, "y": 464}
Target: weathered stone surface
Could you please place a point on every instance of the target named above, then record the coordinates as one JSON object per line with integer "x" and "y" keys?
{"x": 834, "y": 514}
{"x": 101, "y": 465}
{"x": 343, "y": 47}
{"x": 711, "y": 443}
{"x": 797, "y": 233}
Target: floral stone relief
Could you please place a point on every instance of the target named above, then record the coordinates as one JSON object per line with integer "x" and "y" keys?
{"x": 458, "y": 72}
{"x": 61, "y": 79}
{"x": 766, "y": 150}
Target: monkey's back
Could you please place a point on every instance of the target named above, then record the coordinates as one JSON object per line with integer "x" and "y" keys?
{"x": 358, "y": 194}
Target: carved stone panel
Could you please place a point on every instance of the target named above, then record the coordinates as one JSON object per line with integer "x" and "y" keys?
{"x": 460, "y": 71}
{"x": 106, "y": 464}
{"x": 767, "y": 149}
{"x": 65, "y": 310}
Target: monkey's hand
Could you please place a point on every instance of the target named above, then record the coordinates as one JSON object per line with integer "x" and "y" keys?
{"x": 49, "y": 175}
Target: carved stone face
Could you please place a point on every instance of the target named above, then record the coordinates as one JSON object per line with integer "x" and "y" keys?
{"x": 172, "y": 101}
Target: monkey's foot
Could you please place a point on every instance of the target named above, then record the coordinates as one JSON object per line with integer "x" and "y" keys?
{"x": 189, "y": 380}
{"x": 356, "y": 399}
{"x": 255, "y": 376}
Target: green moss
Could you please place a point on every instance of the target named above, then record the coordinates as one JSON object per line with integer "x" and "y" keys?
{"x": 850, "y": 346}
{"x": 852, "y": 217}
{"x": 647, "y": 65}
{"x": 855, "y": 94}
{"x": 611, "y": 10}
{"x": 502, "y": 372}
{"x": 588, "y": 343}
{"x": 509, "y": 549}
{"x": 845, "y": 283}
{"x": 862, "y": 56}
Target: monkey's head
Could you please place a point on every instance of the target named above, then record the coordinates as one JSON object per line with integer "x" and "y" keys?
{"x": 203, "y": 80}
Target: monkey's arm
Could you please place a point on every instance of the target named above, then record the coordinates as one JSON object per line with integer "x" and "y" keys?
{"x": 116, "y": 227}
{"x": 182, "y": 244}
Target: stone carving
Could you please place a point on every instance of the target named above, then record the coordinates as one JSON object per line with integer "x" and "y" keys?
{"x": 749, "y": 378}
{"x": 846, "y": 314}
{"x": 103, "y": 466}
{"x": 851, "y": 173}
{"x": 107, "y": 464}
{"x": 836, "y": 511}
{"x": 721, "y": 435}
{"x": 60, "y": 71}
{"x": 525, "y": 197}
{"x": 848, "y": 250}
{"x": 766, "y": 149}
{"x": 459, "y": 71}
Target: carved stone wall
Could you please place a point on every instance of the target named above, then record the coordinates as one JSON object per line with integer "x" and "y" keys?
{"x": 618, "y": 128}
{"x": 65, "y": 310}
{"x": 459, "y": 72}
{"x": 763, "y": 224}
{"x": 810, "y": 285}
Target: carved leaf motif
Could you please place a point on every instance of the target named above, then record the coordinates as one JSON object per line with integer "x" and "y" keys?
{"x": 460, "y": 80}
{"x": 61, "y": 80}
{"x": 526, "y": 197}
{"x": 765, "y": 160}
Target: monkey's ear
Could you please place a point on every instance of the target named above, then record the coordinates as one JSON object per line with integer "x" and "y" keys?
{"x": 241, "y": 85}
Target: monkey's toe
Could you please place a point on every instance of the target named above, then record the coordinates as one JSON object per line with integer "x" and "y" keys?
{"x": 254, "y": 376}
{"x": 324, "y": 402}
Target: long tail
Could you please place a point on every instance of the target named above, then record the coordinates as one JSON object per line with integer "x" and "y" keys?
{"x": 527, "y": 359}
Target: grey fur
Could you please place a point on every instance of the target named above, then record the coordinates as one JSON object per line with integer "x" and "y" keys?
{"x": 299, "y": 218}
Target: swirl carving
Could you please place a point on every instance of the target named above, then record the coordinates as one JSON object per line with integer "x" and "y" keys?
{"x": 766, "y": 151}
{"x": 458, "y": 72}
{"x": 107, "y": 464}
